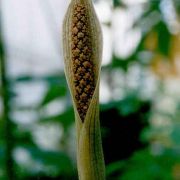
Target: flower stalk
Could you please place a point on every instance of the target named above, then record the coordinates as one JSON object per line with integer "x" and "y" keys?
{"x": 82, "y": 48}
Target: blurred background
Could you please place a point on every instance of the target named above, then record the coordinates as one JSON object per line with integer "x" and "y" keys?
{"x": 139, "y": 94}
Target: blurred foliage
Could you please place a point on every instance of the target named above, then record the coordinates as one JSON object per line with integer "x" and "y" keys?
{"x": 134, "y": 147}
{"x": 143, "y": 165}
{"x": 122, "y": 123}
{"x": 53, "y": 164}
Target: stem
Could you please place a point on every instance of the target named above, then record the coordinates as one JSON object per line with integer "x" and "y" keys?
{"x": 9, "y": 173}
{"x": 86, "y": 37}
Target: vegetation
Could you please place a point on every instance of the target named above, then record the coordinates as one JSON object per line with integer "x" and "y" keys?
{"x": 82, "y": 45}
{"x": 140, "y": 128}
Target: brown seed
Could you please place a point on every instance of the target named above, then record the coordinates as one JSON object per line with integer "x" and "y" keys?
{"x": 84, "y": 27}
{"x": 79, "y": 16}
{"x": 83, "y": 18}
{"x": 78, "y": 89}
{"x": 75, "y": 20}
{"x": 81, "y": 70}
{"x": 75, "y": 30}
{"x": 73, "y": 46}
{"x": 78, "y": 9}
{"x": 76, "y": 52}
{"x": 87, "y": 64}
{"x": 77, "y": 96}
{"x": 87, "y": 88}
{"x": 82, "y": 57}
{"x": 80, "y": 44}
{"x": 79, "y": 25}
{"x": 87, "y": 75}
{"x": 85, "y": 107}
{"x": 85, "y": 39}
{"x": 80, "y": 35}
{"x": 75, "y": 40}
{"x": 77, "y": 77}
{"x": 86, "y": 50}
{"x": 83, "y": 82}
{"x": 83, "y": 96}
{"x": 77, "y": 62}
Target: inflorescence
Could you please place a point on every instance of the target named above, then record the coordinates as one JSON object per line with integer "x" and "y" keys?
{"x": 83, "y": 67}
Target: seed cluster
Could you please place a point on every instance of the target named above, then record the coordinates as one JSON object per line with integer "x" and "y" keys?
{"x": 83, "y": 67}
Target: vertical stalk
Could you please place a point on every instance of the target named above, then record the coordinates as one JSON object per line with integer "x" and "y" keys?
{"x": 82, "y": 47}
{"x": 9, "y": 173}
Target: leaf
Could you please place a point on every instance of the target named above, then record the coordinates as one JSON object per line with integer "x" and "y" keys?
{"x": 25, "y": 78}
{"x": 22, "y": 136}
{"x": 121, "y": 63}
{"x": 154, "y": 167}
{"x": 164, "y": 38}
{"x": 115, "y": 167}
{"x": 2, "y": 153}
{"x": 66, "y": 118}
{"x": 129, "y": 105}
{"x": 59, "y": 160}
{"x": 50, "y": 79}
{"x": 54, "y": 91}
{"x": 175, "y": 134}
{"x": 118, "y": 3}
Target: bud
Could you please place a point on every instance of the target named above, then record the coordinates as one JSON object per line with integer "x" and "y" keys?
{"x": 82, "y": 48}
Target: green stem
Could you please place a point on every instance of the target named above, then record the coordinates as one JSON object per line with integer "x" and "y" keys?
{"x": 90, "y": 158}
{"x": 9, "y": 173}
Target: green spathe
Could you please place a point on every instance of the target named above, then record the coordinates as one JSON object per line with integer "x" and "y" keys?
{"x": 89, "y": 147}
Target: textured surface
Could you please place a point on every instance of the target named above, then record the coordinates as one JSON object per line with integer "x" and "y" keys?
{"x": 82, "y": 48}
{"x": 83, "y": 67}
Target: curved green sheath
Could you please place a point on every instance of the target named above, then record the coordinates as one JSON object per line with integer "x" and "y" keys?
{"x": 89, "y": 146}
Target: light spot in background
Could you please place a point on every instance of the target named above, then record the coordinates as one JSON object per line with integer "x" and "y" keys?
{"x": 134, "y": 2}
{"x": 33, "y": 44}
{"x": 118, "y": 87}
{"x": 107, "y": 45}
{"x": 172, "y": 86}
{"x": 125, "y": 38}
{"x": 161, "y": 124}
{"x": 29, "y": 93}
{"x": 166, "y": 104}
{"x": 105, "y": 94}
{"x": 53, "y": 108}
{"x": 47, "y": 136}
{"x": 133, "y": 76}
{"x": 24, "y": 117}
{"x": 150, "y": 85}
{"x": 71, "y": 142}
{"x": 104, "y": 11}
{"x": 169, "y": 16}
{"x": 22, "y": 62}
{"x": 24, "y": 158}
{"x": 138, "y": 77}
